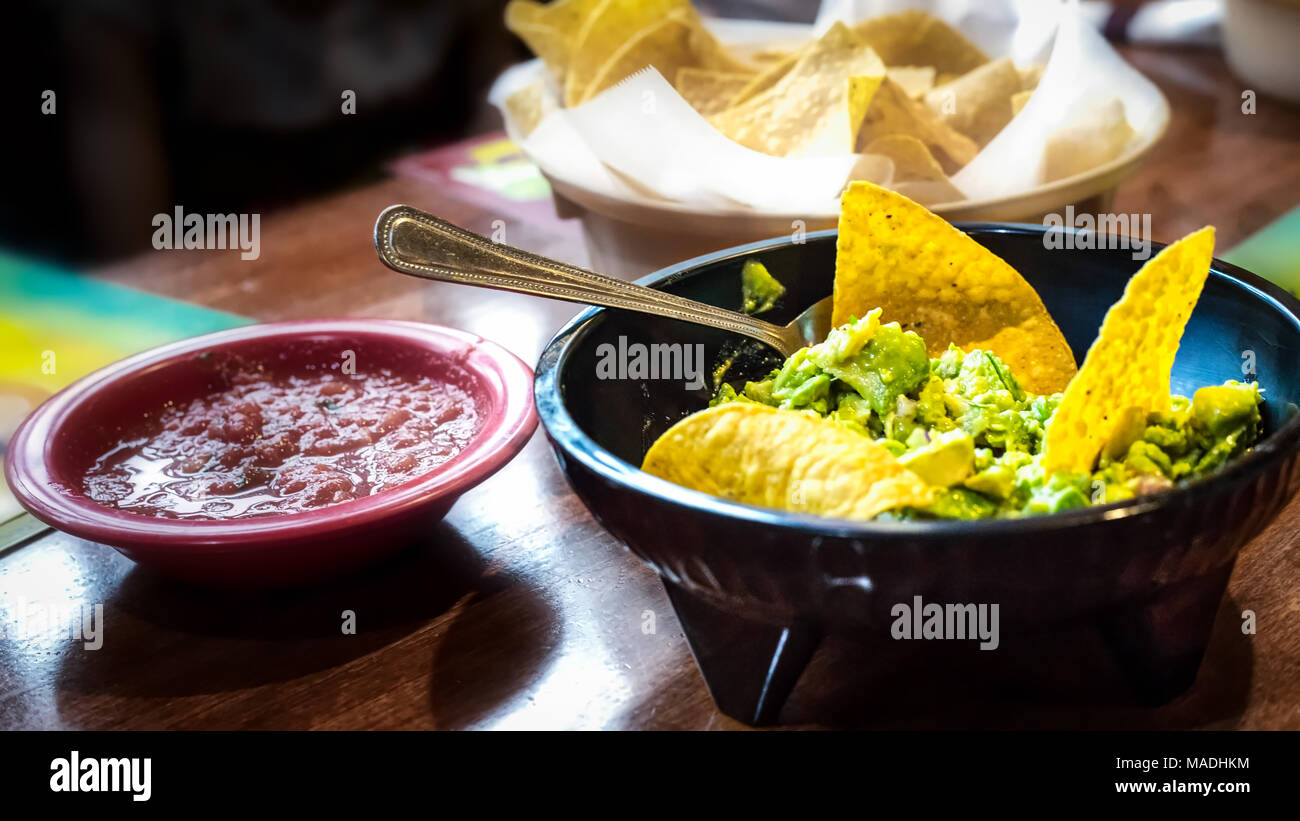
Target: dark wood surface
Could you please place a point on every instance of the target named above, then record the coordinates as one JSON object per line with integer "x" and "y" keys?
{"x": 519, "y": 611}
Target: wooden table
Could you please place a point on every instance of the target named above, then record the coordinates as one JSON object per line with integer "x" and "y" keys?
{"x": 519, "y": 611}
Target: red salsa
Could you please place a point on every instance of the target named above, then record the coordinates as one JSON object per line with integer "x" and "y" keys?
{"x": 270, "y": 444}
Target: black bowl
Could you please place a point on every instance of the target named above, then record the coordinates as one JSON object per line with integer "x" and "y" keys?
{"x": 756, "y": 588}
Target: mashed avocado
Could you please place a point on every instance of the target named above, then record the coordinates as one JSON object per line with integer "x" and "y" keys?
{"x": 964, "y": 424}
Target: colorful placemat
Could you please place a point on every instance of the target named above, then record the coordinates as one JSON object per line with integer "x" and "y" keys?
{"x": 492, "y": 172}
{"x": 57, "y": 326}
{"x": 1273, "y": 252}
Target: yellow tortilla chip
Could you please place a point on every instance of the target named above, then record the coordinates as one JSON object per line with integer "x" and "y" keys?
{"x": 664, "y": 45}
{"x": 579, "y": 39}
{"x": 768, "y": 56}
{"x": 547, "y": 43}
{"x": 917, "y": 174}
{"x": 978, "y": 103}
{"x": 529, "y": 105}
{"x": 933, "y": 279}
{"x": 565, "y": 15}
{"x": 914, "y": 38}
{"x": 711, "y": 55}
{"x": 929, "y": 192}
{"x": 893, "y": 112}
{"x": 816, "y": 108}
{"x": 606, "y": 31}
{"x": 1029, "y": 76}
{"x": 549, "y": 29}
{"x": 766, "y": 78}
{"x": 1019, "y": 99}
{"x": 708, "y": 91}
{"x": 872, "y": 168}
{"x": 1127, "y": 369}
{"x": 1100, "y": 135}
{"x": 912, "y": 160}
{"x": 759, "y": 455}
{"x": 914, "y": 80}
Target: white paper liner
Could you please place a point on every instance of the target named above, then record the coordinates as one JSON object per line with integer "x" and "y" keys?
{"x": 641, "y": 142}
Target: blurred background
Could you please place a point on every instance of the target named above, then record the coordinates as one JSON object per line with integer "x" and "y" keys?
{"x": 235, "y": 105}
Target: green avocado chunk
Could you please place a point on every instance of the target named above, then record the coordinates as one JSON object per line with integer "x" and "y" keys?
{"x": 996, "y": 481}
{"x": 946, "y": 460}
{"x": 759, "y": 290}
{"x": 1220, "y": 409}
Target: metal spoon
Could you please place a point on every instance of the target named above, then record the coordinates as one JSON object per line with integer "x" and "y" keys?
{"x": 417, "y": 243}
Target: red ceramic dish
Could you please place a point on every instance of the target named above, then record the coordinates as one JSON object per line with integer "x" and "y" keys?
{"x": 55, "y": 446}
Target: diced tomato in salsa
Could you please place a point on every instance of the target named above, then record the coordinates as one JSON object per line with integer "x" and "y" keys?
{"x": 280, "y": 444}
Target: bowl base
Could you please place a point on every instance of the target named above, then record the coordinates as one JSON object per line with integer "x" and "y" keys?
{"x": 750, "y": 685}
{"x": 751, "y": 667}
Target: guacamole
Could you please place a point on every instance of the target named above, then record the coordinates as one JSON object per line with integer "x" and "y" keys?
{"x": 962, "y": 422}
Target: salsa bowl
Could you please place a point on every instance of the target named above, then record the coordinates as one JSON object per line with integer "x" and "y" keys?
{"x": 52, "y": 451}
{"x": 756, "y": 589}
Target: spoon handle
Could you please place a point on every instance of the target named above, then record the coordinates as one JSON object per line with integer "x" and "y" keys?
{"x": 417, "y": 243}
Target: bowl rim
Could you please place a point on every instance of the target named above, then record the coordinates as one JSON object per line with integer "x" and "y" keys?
{"x": 504, "y": 377}
{"x": 565, "y": 433}
{"x": 1093, "y": 180}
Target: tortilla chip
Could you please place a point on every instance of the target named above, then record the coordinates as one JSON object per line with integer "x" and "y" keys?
{"x": 549, "y": 29}
{"x": 912, "y": 160}
{"x": 929, "y": 192}
{"x": 978, "y": 103}
{"x": 914, "y": 80}
{"x": 933, "y": 279}
{"x": 767, "y": 56}
{"x": 816, "y": 108}
{"x": 893, "y": 112}
{"x": 708, "y": 91}
{"x": 1127, "y": 369}
{"x": 547, "y": 43}
{"x": 917, "y": 174}
{"x": 1018, "y": 101}
{"x": 1029, "y": 76}
{"x": 760, "y": 455}
{"x": 711, "y": 55}
{"x": 875, "y": 168}
{"x": 565, "y": 15}
{"x": 604, "y": 32}
{"x": 914, "y": 38}
{"x": 664, "y": 45}
{"x": 766, "y": 78}
{"x": 529, "y": 105}
{"x": 1100, "y": 135}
